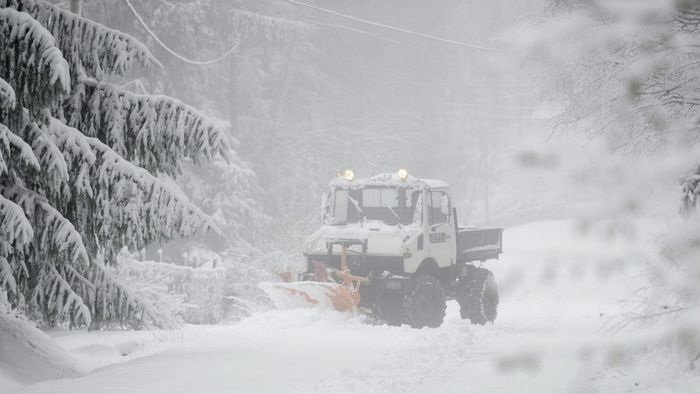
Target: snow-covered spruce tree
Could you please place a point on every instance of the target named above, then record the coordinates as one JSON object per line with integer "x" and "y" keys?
{"x": 79, "y": 159}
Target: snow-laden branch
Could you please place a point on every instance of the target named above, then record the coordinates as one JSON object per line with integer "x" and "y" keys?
{"x": 78, "y": 155}
{"x": 54, "y": 235}
{"x": 14, "y": 226}
{"x": 31, "y": 62}
{"x": 60, "y": 300}
{"x": 9, "y": 142}
{"x": 7, "y": 280}
{"x": 54, "y": 175}
{"x": 16, "y": 234}
{"x": 128, "y": 206}
{"x": 55, "y": 245}
{"x": 68, "y": 285}
{"x": 641, "y": 87}
{"x": 86, "y": 45}
{"x": 154, "y": 131}
{"x": 7, "y": 96}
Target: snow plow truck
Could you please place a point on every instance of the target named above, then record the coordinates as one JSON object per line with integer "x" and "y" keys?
{"x": 391, "y": 246}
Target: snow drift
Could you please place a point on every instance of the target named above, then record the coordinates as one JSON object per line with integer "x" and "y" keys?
{"x": 28, "y": 355}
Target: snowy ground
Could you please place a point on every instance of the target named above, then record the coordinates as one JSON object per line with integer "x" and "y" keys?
{"x": 559, "y": 290}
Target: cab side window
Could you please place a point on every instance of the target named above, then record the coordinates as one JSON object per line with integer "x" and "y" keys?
{"x": 434, "y": 203}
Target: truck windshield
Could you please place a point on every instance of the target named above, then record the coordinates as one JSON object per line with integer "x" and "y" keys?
{"x": 374, "y": 203}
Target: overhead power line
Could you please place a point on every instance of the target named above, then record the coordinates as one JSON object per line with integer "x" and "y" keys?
{"x": 172, "y": 52}
{"x": 394, "y": 28}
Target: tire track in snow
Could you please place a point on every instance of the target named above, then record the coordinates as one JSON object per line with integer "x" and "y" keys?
{"x": 421, "y": 355}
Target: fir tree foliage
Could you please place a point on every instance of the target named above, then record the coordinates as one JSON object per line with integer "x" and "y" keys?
{"x": 87, "y": 46}
{"x": 132, "y": 125}
{"x": 16, "y": 233}
{"x": 30, "y": 60}
{"x": 7, "y": 96}
{"x": 54, "y": 265}
{"x": 10, "y": 143}
{"x": 110, "y": 181}
{"x": 78, "y": 165}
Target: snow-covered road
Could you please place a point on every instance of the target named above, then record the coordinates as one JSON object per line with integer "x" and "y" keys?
{"x": 558, "y": 286}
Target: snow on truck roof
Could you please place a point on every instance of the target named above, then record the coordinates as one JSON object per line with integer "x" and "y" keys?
{"x": 389, "y": 179}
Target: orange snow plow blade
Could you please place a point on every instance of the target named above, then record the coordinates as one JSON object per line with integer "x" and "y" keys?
{"x": 329, "y": 288}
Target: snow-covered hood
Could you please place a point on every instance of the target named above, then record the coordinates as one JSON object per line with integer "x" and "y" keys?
{"x": 382, "y": 239}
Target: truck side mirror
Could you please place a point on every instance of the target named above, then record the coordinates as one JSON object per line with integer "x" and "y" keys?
{"x": 445, "y": 205}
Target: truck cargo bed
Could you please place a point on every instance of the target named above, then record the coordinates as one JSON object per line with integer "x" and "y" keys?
{"x": 479, "y": 244}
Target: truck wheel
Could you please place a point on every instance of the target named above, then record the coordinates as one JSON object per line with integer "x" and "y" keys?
{"x": 389, "y": 309}
{"x": 478, "y": 296}
{"x": 425, "y": 305}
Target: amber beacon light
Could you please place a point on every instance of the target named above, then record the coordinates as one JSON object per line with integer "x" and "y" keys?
{"x": 403, "y": 174}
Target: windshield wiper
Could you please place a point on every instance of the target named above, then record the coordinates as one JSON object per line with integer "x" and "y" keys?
{"x": 398, "y": 219}
{"x": 359, "y": 210}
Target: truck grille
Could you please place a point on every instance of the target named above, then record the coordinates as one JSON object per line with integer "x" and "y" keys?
{"x": 375, "y": 264}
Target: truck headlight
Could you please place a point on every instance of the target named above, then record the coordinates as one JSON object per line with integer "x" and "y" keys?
{"x": 402, "y": 173}
{"x": 393, "y": 284}
{"x": 349, "y": 175}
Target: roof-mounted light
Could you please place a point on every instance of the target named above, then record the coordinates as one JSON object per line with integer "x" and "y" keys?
{"x": 402, "y": 174}
{"x": 348, "y": 175}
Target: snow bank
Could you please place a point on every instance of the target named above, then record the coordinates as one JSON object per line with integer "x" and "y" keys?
{"x": 27, "y": 355}
{"x": 93, "y": 350}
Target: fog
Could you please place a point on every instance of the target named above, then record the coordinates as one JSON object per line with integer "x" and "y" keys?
{"x": 307, "y": 93}
{"x": 571, "y": 125}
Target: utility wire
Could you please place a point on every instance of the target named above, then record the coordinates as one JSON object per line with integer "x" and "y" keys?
{"x": 388, "y": 27}
{"x": 335, "y": 26}
{"x": 172, "y": 52}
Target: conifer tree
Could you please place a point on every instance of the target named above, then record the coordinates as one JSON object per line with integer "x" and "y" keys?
{"x": 79, "y": 165}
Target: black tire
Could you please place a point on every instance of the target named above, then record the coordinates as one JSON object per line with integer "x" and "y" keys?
{"x": 477, "y": 295}
{"x": 424, "y": 306}
{"x": 389, "y": 310}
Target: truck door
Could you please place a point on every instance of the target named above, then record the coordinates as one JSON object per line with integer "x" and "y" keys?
{"x": 441, "y": 238}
